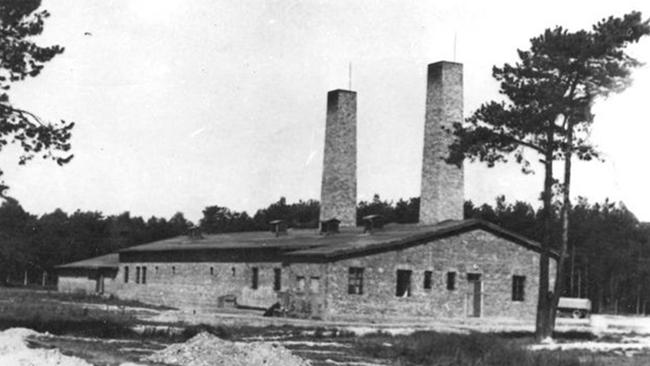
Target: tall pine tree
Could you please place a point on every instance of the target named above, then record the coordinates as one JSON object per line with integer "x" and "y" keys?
{"x": 550, "y": 91}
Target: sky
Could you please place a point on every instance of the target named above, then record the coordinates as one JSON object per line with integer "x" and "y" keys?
{"x": 180, "y": 105}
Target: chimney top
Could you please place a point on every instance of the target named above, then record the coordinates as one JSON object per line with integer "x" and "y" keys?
{"x": 339, "y": 180}
{"x": 442, "y": 191}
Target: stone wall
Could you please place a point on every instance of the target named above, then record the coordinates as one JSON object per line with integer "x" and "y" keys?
{"x": 442, "y": 190}
{"x": 339, "y": 183}
{"x": 307, "y": 301}
{"x": 477, "y": 252}
{"x": 200, "y": 286}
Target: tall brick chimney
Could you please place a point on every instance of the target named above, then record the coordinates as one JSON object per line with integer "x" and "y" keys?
{"x": 339, "y": 184}
{"x": 442, "y": 191}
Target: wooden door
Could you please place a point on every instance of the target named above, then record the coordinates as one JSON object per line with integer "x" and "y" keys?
{"x": 474, "y": 294}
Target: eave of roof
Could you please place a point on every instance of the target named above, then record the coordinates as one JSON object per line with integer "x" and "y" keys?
{"x": 438, "y": 231}
{"x": 293, "y": 240}
{"x": 309, "y": 245}
{"x": 108, "y": 261}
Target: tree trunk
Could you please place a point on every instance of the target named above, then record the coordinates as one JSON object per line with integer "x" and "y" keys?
{"x": 579, "y": 283}
{"x": 566, "y": 209}
{"x": 586, "y": 278}
{"x": 542, "y": 321}
{"x": 638, "y": 299}
{"x": 572, "y": 289}
{"x": 601, "y": 299}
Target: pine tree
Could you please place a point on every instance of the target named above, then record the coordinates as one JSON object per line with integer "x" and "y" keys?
{"x": 550, "y": 91}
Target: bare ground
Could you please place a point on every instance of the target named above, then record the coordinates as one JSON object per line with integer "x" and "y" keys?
{"x": 607, "y": 340}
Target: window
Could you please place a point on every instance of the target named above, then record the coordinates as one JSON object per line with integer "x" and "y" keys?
{"x": 234, "y": 272}
{"x": 403, "y": 288}
{"x": 355, "y": 281}
{"x": 255, "y": 278}
{"x": 314, "y": 285}
{"x": 518, "y": 287}
{"x": 173, "y": 270}
{"x": 211, "y": 271}
{"x": 137, "y": 274}
{"x": 126, "y": 274}
{"x": 144, "y": 275}
{"x": 277, "y": 279}
{"x": 155, "y": 270}
{"x": 300, "y": 284}
{"x": 451, "y": 280}
{"x": 427, "y": 280}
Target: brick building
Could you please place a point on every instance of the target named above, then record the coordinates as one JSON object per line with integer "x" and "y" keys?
{"x": 442, "y": 267}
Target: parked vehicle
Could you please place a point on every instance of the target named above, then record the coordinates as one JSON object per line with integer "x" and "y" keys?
{"x": 574, "y": 307}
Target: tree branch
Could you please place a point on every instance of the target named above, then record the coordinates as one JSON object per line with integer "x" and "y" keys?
{"x": 25, "y": 114}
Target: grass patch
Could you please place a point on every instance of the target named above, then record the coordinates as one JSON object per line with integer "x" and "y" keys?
{"x": 474, "y": 349}
{"x": 81, "y": 328}
{"x": 31, "y": 295}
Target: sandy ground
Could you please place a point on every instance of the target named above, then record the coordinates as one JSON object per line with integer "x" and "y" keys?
{"x": 627, "y": 335}
{"x": 393, "y": 326}
{"x": 615, "y": 335}
{"x": 14, "y": 351}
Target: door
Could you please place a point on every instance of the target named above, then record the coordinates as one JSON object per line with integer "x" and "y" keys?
{"x": 99, "y": 286}
{"x": 474, "y": 294}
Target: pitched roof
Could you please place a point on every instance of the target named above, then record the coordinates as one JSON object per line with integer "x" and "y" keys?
{"x": 296, "y": 239}
{"x": 408, "y": 235}
{"x": 310, "y": 244}
{"x": 110, "y": 261}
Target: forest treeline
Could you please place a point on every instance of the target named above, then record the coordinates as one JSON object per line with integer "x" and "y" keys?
{"x": 609, "y": 247}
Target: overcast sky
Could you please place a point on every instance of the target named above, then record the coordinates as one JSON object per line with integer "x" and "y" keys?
{"x": 184, "y": 104}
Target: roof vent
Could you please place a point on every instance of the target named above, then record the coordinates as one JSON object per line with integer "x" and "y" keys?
{"x": 194, "y": 233}
{"x": 278, "y": 227}
{"x": 372, "y": 222}
{"x": 330, "y": 226}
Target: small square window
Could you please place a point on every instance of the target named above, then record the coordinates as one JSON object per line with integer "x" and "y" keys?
{"x": 300, "y": 283}
{"x": 277, "y": 279}
{"x": 427, "y": 280}
{"x": 255, "y": 278}
{"x": 451, "y": 280}
{"x": 355, "y": 281}
{"x": 314, "y": 285}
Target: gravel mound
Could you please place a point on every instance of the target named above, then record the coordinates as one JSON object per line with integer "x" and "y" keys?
{"x": 15, "y": 352}
{"x": 205, "y": 349}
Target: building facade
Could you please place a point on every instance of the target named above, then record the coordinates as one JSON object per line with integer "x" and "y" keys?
{"x": 476, "y": 272}
{"x": 442, "y": 267}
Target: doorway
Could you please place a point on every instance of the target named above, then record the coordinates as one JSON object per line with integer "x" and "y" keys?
{"x": 474, "y": 295}
{"x": 99, "y": 285}
{"x": 403, "y": 288}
